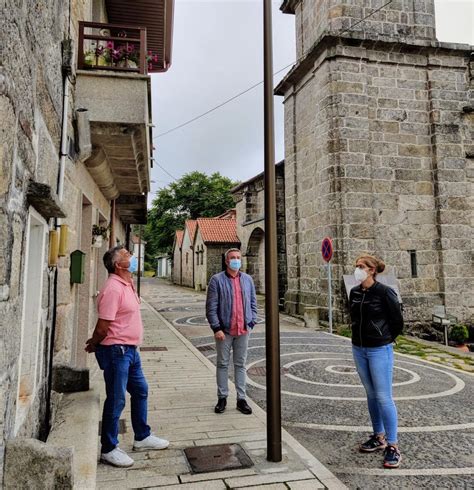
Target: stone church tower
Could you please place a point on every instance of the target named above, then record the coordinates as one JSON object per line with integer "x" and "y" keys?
{"x": 379, "y": 137}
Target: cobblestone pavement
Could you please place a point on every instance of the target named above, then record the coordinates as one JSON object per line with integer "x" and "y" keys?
{"x": 324, "y": 407}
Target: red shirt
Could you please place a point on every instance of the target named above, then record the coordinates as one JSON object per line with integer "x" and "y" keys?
{"x": 237, "y": 326}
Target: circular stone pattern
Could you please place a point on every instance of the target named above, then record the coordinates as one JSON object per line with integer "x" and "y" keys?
{"x": 199, "y": 320}
{"x": 177, "y": 308}
{"x": 310, "y": 370}
{"x": 194, "y": 321}
{"x": 338, "y": 369}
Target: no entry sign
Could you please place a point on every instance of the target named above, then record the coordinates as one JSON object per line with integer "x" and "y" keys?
{"x": 326, "y": 249}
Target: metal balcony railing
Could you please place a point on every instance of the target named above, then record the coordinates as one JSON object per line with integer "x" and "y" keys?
{"x": 113, "y": 47}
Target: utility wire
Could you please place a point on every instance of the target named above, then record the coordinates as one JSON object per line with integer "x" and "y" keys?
{"x": 260, "y": 83}
{"x": 164, "y": 170}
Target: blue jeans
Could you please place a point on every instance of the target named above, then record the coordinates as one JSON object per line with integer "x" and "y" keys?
{"x": 238, "y": 345}
{"x": 122, "y": 372}
{"x": 375, "y": 368}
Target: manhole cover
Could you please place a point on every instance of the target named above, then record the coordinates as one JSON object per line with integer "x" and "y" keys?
{"x": 219, "y": 457}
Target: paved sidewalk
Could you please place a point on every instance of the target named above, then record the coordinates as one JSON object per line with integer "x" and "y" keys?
{"x": 182, "y": 394}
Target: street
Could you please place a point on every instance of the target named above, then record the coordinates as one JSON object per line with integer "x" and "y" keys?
{"x": 324, "y": 405}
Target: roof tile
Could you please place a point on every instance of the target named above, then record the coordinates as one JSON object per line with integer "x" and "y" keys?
{"x": 215, "y": 230}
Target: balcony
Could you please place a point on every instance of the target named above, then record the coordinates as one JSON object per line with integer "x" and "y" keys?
{"x": 113, "y": 86}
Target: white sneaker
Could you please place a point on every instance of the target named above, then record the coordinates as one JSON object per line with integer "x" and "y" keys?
{"x": 117, "y": 457}
{"x": 149, "y": 443}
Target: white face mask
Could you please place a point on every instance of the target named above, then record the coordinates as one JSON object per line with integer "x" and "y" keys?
{"x": 360, "y": 274}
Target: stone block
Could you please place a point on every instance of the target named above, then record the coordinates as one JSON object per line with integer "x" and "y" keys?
{"x": 67, "y": 379}
{"x": 311, "y": 316}
{"x": 30, "y": 463}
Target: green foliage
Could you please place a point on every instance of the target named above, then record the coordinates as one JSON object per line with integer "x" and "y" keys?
{"x": 195, "y": 195}
{"x": 147, "y": 266}
{"x": 459, "y": 333}
{"x": 343, "y": 330}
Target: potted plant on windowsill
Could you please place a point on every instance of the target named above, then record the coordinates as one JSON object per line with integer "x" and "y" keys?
{"x": 99, "y": 234}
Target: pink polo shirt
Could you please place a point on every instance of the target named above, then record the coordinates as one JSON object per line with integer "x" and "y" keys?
{"x": 119, "y": 303}
{"x": 237, "y": 320}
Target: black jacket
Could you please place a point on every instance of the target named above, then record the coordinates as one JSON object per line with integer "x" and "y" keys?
{"x": 376, "y": 315}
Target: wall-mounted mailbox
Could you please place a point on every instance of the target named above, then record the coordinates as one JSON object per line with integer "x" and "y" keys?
{"x": 78, "y": 259}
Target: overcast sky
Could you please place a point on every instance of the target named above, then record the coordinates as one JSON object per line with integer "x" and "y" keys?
{"x": 217, "y": 53}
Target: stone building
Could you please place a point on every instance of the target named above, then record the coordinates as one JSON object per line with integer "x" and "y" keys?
{"x": 250, "y": 215}
{"x": 74, "y": 158}
{"x": 187, "y": 254}
{"x": 214, "y": 236}
{"x": 379, "y": 153}
{"x": 177, "y": 254}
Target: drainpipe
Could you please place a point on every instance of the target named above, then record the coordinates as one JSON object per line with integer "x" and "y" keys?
{"x": 57, "y": 222}
{"x": 112, "y": 224}
{"x": 63, "y": 154}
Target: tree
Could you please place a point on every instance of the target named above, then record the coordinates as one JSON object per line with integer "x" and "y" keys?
{"x": 193, "y": 196}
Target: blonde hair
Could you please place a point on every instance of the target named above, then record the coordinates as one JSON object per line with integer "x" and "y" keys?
{"x": 373, "y": 262}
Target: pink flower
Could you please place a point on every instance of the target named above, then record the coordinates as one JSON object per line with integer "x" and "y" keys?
{"x": 110, "y": 45}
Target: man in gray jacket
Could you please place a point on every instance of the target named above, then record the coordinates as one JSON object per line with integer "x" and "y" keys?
{"x": 231, "y": 310}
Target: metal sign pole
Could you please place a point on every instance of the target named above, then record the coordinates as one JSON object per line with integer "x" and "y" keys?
{"x": 330, "y": 296}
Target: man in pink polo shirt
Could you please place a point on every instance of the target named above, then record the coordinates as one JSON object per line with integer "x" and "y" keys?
{"x": 231, "y": 310}
{"x": 118, "y": 333}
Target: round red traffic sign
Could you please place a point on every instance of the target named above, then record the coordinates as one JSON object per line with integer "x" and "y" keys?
{"x": 326, "y": 249}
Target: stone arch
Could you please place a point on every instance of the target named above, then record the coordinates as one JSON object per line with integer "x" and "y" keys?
{"x": 255, "y": 255}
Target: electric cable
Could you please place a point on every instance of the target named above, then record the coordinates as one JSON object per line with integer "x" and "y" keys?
{"x": 349, "y": 29}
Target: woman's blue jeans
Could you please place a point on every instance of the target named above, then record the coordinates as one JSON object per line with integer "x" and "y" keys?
{"x": 122, "y": 372}
{"x": 375, "y": 368}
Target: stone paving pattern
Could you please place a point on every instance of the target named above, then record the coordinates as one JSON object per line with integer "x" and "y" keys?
{"x": 324, "y": 407}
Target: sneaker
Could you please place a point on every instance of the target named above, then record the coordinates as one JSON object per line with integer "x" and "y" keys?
{"x": 117, "y": 457}
{"x": 221, "y": 404}
{"x": 373, "y": 444}
{"x": 243, "y": 407}
{"x": 150, "y": 443}
{"x": 392, "y": 457}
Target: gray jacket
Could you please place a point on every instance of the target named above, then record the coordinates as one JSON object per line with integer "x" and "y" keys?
{"x": 220, "y": 298}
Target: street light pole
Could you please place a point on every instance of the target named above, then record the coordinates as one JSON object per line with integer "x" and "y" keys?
{"x": 272, "y": 328}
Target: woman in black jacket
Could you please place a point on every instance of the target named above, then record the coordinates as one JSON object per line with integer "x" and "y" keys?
{"x": 376, "y": 321}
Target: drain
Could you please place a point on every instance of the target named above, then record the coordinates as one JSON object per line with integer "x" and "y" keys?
{"x": 218, "y": 457}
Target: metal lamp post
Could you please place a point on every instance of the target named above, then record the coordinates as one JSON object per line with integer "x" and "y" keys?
{"x": 272, "y": 328}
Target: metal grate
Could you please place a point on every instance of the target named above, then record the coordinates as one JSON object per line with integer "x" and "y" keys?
{"x": 218, "y": 457}
{"x": 153, "y": 349}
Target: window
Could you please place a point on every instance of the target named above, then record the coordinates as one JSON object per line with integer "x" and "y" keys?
{"x": 413, "y": 263}
{"x": 32, "y": 329}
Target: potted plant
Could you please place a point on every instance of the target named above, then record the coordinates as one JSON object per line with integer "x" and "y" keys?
{"x": 123, "y": 54}
{"x": 99, "y": 234}
{"x": 459, "y": 334}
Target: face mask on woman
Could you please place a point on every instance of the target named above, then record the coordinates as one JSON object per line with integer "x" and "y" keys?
{"x": 133, "y": 267}
{"x": 360, "y": 274}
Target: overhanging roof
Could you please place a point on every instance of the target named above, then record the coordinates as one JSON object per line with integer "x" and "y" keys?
{"x": 156, "y": 16}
